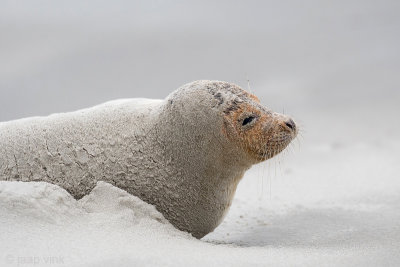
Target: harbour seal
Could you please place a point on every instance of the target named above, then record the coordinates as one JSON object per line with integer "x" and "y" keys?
{"x": 184, "y": 154}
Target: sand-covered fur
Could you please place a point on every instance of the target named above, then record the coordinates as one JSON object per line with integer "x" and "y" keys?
{"x": 185, "y": 154}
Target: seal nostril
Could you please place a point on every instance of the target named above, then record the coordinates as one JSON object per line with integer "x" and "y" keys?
{"x": 290, "y": 123}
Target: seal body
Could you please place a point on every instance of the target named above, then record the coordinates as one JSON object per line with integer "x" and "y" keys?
{"x": 185, "y": 154}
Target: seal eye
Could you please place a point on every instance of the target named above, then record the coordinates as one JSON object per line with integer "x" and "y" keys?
{"x": 248, "y": 120}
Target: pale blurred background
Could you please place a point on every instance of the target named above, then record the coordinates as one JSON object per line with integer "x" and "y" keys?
{"x": 315, "y": 60}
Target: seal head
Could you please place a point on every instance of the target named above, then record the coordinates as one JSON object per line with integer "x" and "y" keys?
{"x": 259, "y": 132}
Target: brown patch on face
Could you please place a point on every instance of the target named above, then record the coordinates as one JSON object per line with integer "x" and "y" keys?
{"x": 260, "y": 132}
